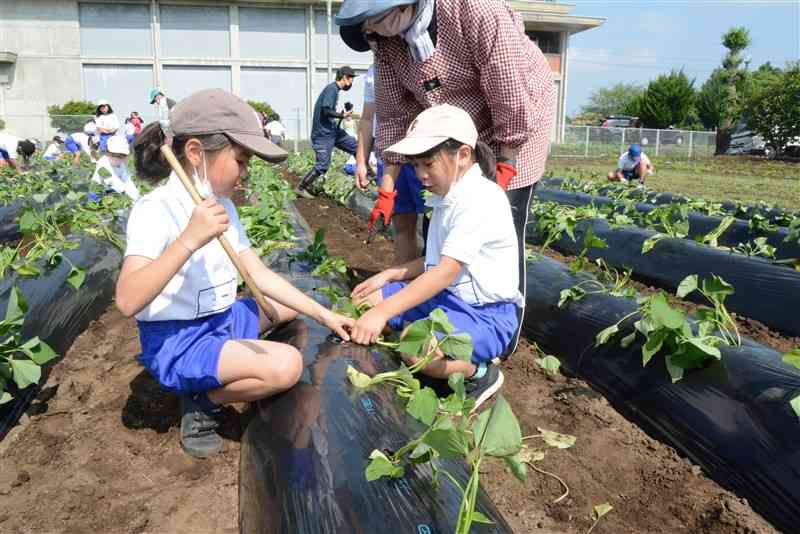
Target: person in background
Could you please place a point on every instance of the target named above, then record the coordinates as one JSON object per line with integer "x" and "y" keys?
{"x": 326, "y": 133}
{"x": 106, "y": 123}
{"x": 130, "y": 131}
{"x": 112, "y": 169}
{"x": 276, "y": 132}
{"x": 53, "y": 150}
{"x": 473, "y": 54}
{"x": 198, "y": 339}
{"x": 469, "y": 270}
{"x": 633, "y": 165}
{"x": 137, "y": 122}
{"x": 12, "y": 148}
{"x": 78, "y": 142}
{"x": 163, "y": 105}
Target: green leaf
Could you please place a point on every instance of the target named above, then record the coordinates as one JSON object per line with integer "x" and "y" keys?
{"x": 448, "y": 442}
{"x": 551, "y": 364}
{"x": 76, "y": 277}
{"x": 792, "y": 357}
{"x": 709, "y": 349}
{"x": 687, "y": 285}
{"x": 795, "y": 404}
{"x": 675, "y": 372}
{"x": 105, "y": 173}
{"x": 716, "y": 286}
{"x": 380, "y": 466}
{"x": 649, "y": 243}
{"x": 458, "y": 346}
{"x": 17, "y": 306}
{"x": 655, "y": 340}
{"x": 39, "y": 197}
{"x": 357, "y": 378}
{"x": 26, "y": 269}
{"x": 456, "y": 383}
{"x": 498, "y": 432}
{"x": 424, "y": 405}
{"x": 38, "y": 351}
{"x": 441, "y": 323}
{"x": 628, "y": 340}
{"x": 481, "y": 518}
{"x": 664, "y": 314}
{"x": 415, "y": 341}
{"x": 557, "y": 440}
{"x": 605, "y": 334}
{"x": 601, "y": 509}
{"x": 25, "y": 372}
{"x": 420, "y": 450}
{"x": 518, "y": 467}
{"x": 27, "y": 222}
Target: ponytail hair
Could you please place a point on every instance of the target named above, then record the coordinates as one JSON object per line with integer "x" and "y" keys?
{"x": 150, "y": 163}
{"x": 482, "y": 154}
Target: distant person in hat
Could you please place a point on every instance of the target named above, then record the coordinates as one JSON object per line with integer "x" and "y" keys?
{"x": 111, "y": 169}
{"x": 326, "y": 130}
{"x": 12, "y": 146}
{"x": 106, "y": 123}
{"x": 473, "y": 54}
{"x": 198, "y": 339}
{"x": 163, "y": 105}
{"x": 633, "y": 165}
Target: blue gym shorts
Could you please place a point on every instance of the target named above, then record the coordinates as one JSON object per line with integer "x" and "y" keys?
{"x": 70, "y": 145}
{"x": 184, "y": 355}
{"x": 4, "y": 155}
{"x": 491, "y": 326}
{"x": 409, "y": 192}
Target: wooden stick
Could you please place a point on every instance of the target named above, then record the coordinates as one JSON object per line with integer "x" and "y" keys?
{"x": 189, "y": 185}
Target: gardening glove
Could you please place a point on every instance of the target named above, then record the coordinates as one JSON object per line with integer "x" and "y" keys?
{"x": 505, "y": 172}
{"x": 384, "y": 206}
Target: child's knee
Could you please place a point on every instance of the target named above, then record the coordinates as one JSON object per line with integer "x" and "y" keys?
{"x": 287, "y": 367}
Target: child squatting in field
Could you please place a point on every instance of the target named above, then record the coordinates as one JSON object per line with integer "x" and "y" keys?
{"x": 470, "y": 268}
{"x": 197, "y": 339}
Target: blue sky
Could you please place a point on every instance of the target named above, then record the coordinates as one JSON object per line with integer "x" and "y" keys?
{"x": 643, "y": 38}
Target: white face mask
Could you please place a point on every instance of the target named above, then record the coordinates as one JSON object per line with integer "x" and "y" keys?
{"x": 202, "y": 185}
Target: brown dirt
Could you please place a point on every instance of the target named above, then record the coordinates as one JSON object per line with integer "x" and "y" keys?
{"x": 99, "y": 449}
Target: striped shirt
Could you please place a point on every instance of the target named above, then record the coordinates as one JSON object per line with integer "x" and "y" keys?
{"x": 483, "y": 63}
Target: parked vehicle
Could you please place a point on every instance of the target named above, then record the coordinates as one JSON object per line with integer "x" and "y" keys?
{"x": 746, "y": 141}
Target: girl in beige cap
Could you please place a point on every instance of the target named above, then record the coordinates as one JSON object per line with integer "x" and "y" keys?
{"x": 197, "y": 339}
{"x": 470, "y": 266}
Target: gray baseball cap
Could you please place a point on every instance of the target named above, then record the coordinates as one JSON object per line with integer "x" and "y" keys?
{"x": 354, "y": 12}
{"x": 214, "y": 111}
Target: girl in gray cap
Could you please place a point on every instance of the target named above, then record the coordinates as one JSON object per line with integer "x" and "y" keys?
{"x": 197, "y": 339}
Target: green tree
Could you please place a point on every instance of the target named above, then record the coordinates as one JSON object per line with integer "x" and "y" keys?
{"x": 774, "y": 112}
{"x": 587, "y": 119}
{"x": 667, "y": 101}
{"x": 711, "y": 100}
{"x": 735, "y": 40}
{"x": 266, "y": 109}
{"x": 71, "y": 116}
{"x": 611, "y": 100}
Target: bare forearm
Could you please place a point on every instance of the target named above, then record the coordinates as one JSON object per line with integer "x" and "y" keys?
{"x": 364, "y": 140}
{"x": 508, "y": 153}
{"x": 137, "y": 289}
{"x": 390, "y": 173}
{"x": 407, "y": 271}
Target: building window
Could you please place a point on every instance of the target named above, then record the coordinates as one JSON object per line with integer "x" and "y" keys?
{"x": 548, "y": 42}
{"x": 194, "y": 31}
{"x": 115, "y": 30}
{"x": 272, "y": 33}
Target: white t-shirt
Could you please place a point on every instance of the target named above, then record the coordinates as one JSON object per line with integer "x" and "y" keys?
{"x": 108, "y": 122}
{"x": 52, "y": 151}
{"x": 206, "y": 284}
{"x": 9, "y": 143}
{"x": 276, "y": 128}
{"x": 369, "y": 97}
{"x": 627, "y": 163}
{"x": 473, "y": 225}
{"x": 120, "y": 180}
{"x": 130, "y": 129}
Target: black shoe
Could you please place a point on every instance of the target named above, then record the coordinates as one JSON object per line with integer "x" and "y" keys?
{"x": 481, "y": 389}
{"x": 199, "y": 436}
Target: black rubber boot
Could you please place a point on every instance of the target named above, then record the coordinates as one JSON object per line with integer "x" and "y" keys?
{"x": 199, "y": 436}
{"x": 303, "y": 189}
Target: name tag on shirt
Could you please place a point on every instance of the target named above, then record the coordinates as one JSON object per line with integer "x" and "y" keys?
{"x": 214, "y": 299}
{"x": 431, "y": 84}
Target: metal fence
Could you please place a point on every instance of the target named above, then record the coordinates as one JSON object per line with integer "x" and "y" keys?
{"x": 597, "y": 142}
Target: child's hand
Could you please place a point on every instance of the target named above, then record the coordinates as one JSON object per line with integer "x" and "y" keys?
{"x": 209, "y": 220}
{"x": 369, "y": 286}
{"x": 337, "y": 323}
{"x": 369, "y": 327}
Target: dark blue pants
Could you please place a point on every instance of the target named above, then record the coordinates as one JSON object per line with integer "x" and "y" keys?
{"x": 323, "y": 148}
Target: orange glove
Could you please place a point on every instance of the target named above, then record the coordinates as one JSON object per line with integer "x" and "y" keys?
{"x": 383, "y": 206}
{"x": 505, "y": 173}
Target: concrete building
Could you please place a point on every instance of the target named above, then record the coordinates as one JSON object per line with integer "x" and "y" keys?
{"x": 278, "y": 51}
